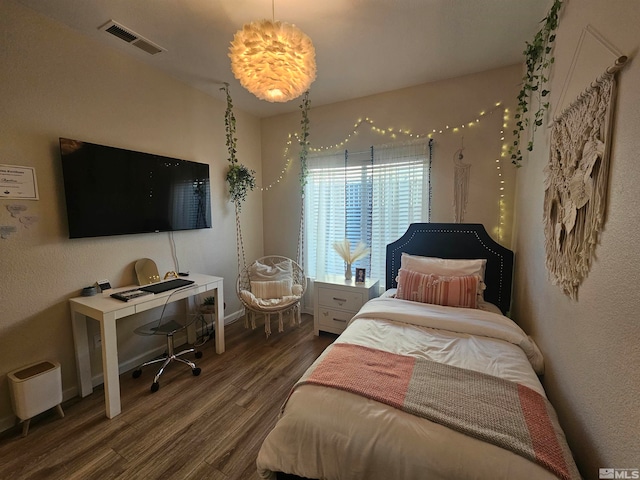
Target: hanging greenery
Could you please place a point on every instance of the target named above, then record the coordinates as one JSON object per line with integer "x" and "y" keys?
{"x": 239, "y": 177}
{"x": 538, "y": 61}
{"x": 304, "y": 171}
{"x": 304, "y": 139}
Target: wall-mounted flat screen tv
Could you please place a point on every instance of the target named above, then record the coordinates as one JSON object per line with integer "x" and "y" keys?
{"x": 112, "y": 191}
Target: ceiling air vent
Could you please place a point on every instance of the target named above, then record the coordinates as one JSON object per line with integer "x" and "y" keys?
{"x": 131, "y": 37}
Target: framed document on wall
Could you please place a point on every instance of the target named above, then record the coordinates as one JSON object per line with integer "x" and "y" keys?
{"x": 18, "y": 182}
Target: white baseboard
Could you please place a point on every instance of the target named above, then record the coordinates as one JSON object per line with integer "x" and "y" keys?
{"x": 156, "y": 352}
{"x": 9, "y": 421}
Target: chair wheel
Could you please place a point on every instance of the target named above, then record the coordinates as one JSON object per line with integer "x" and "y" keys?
{"x": 154, "y": 387}
{"x": 196, "y": 371}
{"x": 198, "y": 354}
{"x": 136, "y": 373}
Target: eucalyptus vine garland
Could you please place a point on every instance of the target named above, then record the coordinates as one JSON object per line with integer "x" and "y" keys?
{"x": 304, "y": 140}
{"x": 230, "y": 125}
{"x": 239, "y": 177}
{"x": 538, "y": 61}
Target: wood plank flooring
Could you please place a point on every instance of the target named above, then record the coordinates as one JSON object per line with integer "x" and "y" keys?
{"x": 205, "y": 427}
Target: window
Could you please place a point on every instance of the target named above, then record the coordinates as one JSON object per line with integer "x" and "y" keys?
{"x": 369, "y": 196}
{"x": 189, "y": 199}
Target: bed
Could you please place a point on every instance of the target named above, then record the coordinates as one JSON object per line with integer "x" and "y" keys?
{"x": 429, "y": 381}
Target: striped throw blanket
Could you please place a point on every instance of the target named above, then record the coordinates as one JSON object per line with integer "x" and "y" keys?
{"x": 491, "y": 409}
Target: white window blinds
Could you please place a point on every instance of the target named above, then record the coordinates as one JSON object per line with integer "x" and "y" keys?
{"x": 189, "y": 200}
{"x": 369, "y": 196}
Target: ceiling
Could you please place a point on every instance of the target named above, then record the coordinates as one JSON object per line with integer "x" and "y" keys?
{"x": 363, "y": 47}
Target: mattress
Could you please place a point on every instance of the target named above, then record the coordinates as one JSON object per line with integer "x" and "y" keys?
{"x": 334, "y": 434}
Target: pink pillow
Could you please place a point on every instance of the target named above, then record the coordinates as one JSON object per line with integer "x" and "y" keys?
{"x": 447, "y": 290}
{"x": 446, "y": 266}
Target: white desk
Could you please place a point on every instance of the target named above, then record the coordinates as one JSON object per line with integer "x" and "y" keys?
{"x": 106, "y": 311}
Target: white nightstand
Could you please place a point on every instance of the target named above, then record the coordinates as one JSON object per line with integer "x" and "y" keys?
{"x": 337, "y": 300}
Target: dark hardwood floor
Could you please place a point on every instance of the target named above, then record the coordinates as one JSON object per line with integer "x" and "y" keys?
{"x": 205, "y": 427}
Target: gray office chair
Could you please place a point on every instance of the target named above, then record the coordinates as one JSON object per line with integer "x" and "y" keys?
{"x": 168, "y": 325}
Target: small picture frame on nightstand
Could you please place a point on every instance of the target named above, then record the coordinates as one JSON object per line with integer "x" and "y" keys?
{"x": 361, "y": 275}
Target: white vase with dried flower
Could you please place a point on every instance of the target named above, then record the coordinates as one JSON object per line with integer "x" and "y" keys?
{"x": 343, "y": 249}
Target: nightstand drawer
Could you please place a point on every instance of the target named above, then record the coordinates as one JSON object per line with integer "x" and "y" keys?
{"x": 334, "y": 321}
{"x": 337, "y": 300}
{"x": 342, "y": 299}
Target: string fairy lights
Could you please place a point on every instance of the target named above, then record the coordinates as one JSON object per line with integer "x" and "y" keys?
{"x": 287, "y": 164}
{"x": 501, "y": 185}
{"x": 394, "y": 133}
{"x": 406, "y": 134}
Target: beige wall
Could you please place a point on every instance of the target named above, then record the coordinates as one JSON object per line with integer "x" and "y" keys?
{"x": 420, "y": 110}
{"x": 54, "y": 82}
{"x": 591, "y": 345}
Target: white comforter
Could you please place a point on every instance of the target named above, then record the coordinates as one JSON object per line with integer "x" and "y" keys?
{"x": 324, "y": 433}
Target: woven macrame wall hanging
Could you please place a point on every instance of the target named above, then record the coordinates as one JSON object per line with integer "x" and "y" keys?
{"x": 461, "y": 174}
{"x": 576, "y": 182}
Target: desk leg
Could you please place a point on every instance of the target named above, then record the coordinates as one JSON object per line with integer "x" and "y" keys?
{"x": 83, "y": 357}
{"x": 189, "y": 309}
{"x": 110, "y": 367}
{"x": 219, "y": 319}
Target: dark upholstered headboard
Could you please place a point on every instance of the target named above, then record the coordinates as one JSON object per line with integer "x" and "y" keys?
{"x": 460, "y": 241}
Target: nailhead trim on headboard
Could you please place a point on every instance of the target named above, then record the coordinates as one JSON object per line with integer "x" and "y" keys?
{"x": 498, "y": 257}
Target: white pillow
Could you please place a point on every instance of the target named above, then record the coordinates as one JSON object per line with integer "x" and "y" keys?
{"x": 445, "y": 266}
{"x": 272, "y": 289}
{"x": 279, "y": 271}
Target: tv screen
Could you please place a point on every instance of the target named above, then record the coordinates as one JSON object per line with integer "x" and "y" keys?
{"x": 112, "y": 191}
